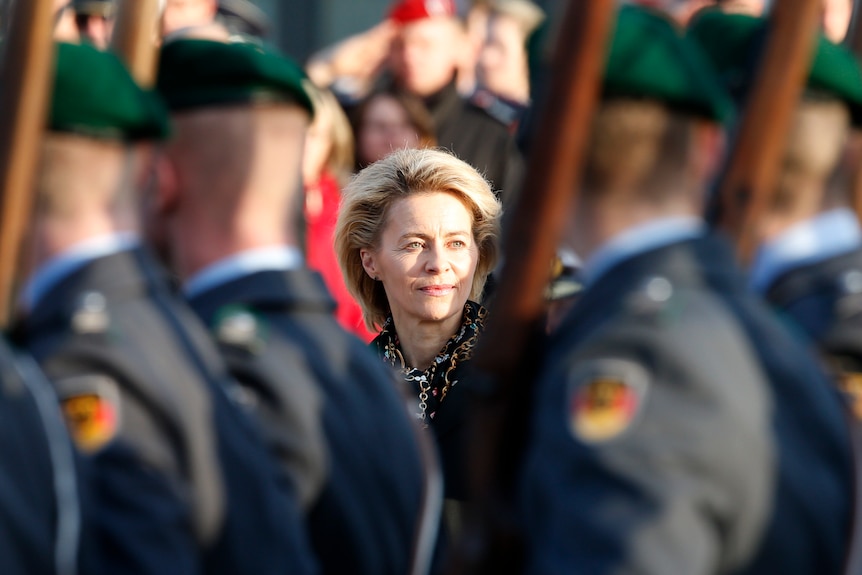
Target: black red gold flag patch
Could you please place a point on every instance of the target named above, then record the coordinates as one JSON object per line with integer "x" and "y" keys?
{"x": 91, "y": 408}
{"x": 605, "y": 397}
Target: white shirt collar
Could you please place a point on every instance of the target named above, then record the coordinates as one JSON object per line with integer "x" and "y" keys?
{"x": 242, "y": 264}
{"x": 63, "y": 265}
{"x": 640, "y": 239}
{"x": 824, "y": 236}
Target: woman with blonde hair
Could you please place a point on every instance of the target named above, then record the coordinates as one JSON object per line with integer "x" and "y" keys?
{"x": 416, "y": 238}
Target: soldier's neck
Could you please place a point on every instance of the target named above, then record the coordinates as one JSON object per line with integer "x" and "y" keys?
{"x": 51, "y": 237}
{"x": 599, "y": 221}
{"x": 201, "y": 246}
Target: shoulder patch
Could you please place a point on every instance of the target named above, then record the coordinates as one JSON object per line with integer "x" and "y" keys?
{"x": 604, "y": 398}
{"x": 851, "y": 384}
{"x": 91, "y": 408}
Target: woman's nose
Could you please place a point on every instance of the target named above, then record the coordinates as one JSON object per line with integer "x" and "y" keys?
{"x": 436, "y": 259}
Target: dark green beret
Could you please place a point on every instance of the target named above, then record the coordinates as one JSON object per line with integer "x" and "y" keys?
{"x": 650, "y": 58}
{"x": 94, "y": 95}
{"x": 732, "y": 42}
{"x": 201, "y": 73}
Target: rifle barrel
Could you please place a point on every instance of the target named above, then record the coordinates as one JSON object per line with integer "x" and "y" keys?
{"x": 538, "y": 215}
{"x": 749, "y": 181}
{"x": 134, "y": 39}
{"x": 24, "y": 97}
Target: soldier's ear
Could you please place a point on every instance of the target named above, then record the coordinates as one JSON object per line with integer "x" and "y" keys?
{"x": 167, "y": 189}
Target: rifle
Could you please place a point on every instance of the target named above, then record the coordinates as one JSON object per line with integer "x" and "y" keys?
{"x": 750, "y": 176}
{"x": 24, "y": 98}
{"x": 134, "y": 39}
{"x": 490, "y": 545}
{"x": 853, "y": 42}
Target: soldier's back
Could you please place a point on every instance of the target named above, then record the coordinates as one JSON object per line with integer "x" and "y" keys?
{"x": 675, "y": 408}
{"x": 377, "y": 500}
{"x": 40, "y": 519}
{"x": 179, "y": 476}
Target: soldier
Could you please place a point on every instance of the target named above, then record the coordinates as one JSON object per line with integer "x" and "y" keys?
{"x": 231, "y": 232}
{"x": 40, "y": 514}
{"x": 178, "y": 478}
{"x": 677, "y": 427}
{"x": 809, "y": 265}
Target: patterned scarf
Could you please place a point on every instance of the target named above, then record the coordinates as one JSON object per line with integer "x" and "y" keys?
{"x": 433, "y": 384}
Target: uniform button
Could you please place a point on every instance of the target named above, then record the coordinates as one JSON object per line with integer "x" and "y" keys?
{"x": 852, "y": 282}
{"x": 659, "y": 289}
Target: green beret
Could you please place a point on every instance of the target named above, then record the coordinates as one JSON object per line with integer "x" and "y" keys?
{"x": 650, "y": 58}
{"x": 94, "y": 95}
{"x": 201, "y": 73}
{"x": 732, "y": 42}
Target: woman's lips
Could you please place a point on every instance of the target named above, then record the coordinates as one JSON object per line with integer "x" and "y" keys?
{"x": 437, "y": 290}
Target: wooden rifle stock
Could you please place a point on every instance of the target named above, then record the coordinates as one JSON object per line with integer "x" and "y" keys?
{"x": 24, "y": 98}
{"x": 853, "y": 42}
{"x": 530, "y": 242}
{"x": 749, "y": 181}
{"x": 134, "y": 39}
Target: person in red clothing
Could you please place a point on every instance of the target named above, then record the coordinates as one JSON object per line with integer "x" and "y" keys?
{"x": 327, "y": 164}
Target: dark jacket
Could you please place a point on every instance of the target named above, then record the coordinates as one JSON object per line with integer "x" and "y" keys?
{"x": 40, "y": 520}
{"x": 178, "y": 477}
{"x": 376, "y": 488}
{"x": 824, "y": 302}
{"x": 704, "y": 456}
{"x": 477, "y": 138}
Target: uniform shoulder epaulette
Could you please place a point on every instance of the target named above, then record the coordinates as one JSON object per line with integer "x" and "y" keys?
{"x": 505, "y": 112}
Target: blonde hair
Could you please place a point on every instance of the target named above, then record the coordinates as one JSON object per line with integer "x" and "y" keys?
{"x": 341, "y": 157}
{"x": 365, "y": 206}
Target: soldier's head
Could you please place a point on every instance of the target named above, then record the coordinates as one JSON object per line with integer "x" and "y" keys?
{"x": 429, "y": 46}
{"x": 809, "y": 180}
{"x": 100, "y": 131}
{"x": 233, "y": 167}
{"x": 647, "y": 155}
{"x": 95, "y": 21}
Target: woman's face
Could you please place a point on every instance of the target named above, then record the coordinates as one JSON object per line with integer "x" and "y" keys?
{"x": 426, "y": 259}
{"x": 385, "y": 127}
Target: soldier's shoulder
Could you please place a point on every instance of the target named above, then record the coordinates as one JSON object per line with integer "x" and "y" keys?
{"x": 503, "y": 111}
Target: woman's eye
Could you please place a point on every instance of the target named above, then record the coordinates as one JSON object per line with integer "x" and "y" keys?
{"x": 458, "y": 244}
{"x": 414, "y": 245}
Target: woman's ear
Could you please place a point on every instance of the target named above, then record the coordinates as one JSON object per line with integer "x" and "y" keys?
{"x": 368, "y": 263}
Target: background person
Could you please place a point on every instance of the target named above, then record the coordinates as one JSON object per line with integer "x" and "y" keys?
{"x": 327, "y": 164}
{"x": 387, "y": 120}
{"x": 503, "y": 68}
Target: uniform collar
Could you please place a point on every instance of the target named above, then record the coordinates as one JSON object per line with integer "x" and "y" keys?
{"x": 822, "y": 237}
{"x": 634, "y": 241}
{"x": 271, "y": 258}
{"x": 65, "y": 264}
